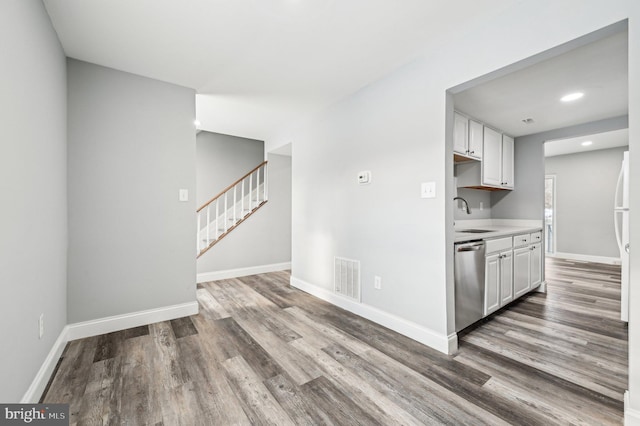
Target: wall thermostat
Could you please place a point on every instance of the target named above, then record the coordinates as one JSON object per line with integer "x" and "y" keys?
{"x": 364, "y": 177}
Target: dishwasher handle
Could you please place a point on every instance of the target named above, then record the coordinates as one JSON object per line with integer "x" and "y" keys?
{"x": 470, "y": 247}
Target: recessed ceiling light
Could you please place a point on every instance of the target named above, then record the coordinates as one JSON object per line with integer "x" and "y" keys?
{"x": 572, "y": 97}
{"x": 586, "y": 143}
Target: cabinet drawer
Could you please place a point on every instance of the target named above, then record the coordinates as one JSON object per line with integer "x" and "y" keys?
{"x": 498, "y": 244}
{"x": 536, "y": 237}
{"x": 521, "y": 240}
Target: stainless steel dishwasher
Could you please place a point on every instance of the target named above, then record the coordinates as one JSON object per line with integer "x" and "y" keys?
{"x": 469, "y": 282}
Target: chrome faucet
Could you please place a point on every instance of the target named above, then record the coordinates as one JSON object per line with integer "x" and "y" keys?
{"x": 466, "y": 205}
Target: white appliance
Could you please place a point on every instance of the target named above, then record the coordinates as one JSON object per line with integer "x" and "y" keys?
{"x": 621, "y": 221}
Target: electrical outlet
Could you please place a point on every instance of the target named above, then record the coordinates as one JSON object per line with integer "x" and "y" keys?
{"x": 41, "y": 326}
{"x": 377, "y": 282}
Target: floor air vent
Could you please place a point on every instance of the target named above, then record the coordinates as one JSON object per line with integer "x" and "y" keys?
{"x": 346, "y": 277}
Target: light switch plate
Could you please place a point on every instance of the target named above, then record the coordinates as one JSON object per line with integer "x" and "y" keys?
{"x": 428, "y": 190}
{"x": 183, "y": 195}
{"x": 364, "y": 177}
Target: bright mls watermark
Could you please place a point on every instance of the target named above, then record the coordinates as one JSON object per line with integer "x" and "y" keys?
{"x": 34, "y": 414}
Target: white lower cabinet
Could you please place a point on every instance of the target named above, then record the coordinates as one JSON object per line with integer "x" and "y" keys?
{"x": 527, "y": 263}
{"x": 513, "y": 267}
{"x": 506, "y": 278}
{"x": 521, "y": 271}
{"x": 498, "y": 288}
{"x": 491, "y": 283}
{"x": 536, "y": 265}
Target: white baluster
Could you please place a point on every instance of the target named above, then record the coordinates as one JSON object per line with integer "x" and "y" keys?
{"x": 258, "y": 187}
{"x": 198, "y": 235}
{"x": 235, "y": 207}
{"x": 242, "y": 199}
{"x": 208, "y": 222}
{"x": 250, "y": 190}
{"x": 225, "y": 212}
{"x": 217, "y": 217}
{"x": 266, "y": 177}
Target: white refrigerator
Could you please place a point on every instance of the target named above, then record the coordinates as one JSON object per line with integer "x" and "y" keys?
{"x": 621, "y": 222}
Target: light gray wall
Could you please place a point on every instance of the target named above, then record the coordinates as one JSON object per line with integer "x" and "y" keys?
{"x": 396, "y": 127}
{"x": 265, "y": 237}
{"x": 474, "y": 197}
{"x": 385, "y": 225}
{"x": 33, "y": 184}
{"x": 221, "y": 160}
{"x": 526, "y": 201}
{"x": 131, "y": 148}
{"x": 585, "y": 190}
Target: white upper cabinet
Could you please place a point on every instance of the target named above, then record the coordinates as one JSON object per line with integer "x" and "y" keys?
{"x": 460, "y": 134}
{"x": 476, "y": 137}
{"x": 497, "y": 159}
{"x": 507, "y": 162}
{"x": 467, "y": 137}
{"x": 472, "y": 140}
{"x": 492, "y": 158}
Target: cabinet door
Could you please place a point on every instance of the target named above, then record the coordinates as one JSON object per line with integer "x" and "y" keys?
{"x": 460, "y": 134}
{"x": 491, "y": 284}
{"x": 492, "y": 158}
{"x": 507, "y": 161}
{"x": 536, "y": 265}
{"x": 506, "y": 277}
{"x": 521, "y": 271}
{"x": 476, "y": 135}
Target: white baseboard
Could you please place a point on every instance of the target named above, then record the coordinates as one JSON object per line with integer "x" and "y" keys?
{"x": 631, "y": 416}
{"x": 443, "y": 343}
{"x": 542, "y": 288}
{"x": 586, "y": 258}
{"x": 96, "y": 327}
{"x": 39, "y": 383}
{"x": 242, "y": 272}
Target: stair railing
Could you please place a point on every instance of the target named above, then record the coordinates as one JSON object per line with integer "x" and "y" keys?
{"x": 230, "y": 207}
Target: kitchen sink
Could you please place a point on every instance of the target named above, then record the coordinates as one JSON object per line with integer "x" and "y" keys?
{"x": 475, "y": 231}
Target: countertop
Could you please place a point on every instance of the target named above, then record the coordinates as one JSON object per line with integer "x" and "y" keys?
{"x": 496, "y": 231}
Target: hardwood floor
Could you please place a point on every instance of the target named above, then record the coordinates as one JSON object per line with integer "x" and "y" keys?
{"x": 563, "y": 352}
{"x": 261, "y": 352}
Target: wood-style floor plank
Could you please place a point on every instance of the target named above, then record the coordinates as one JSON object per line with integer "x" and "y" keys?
{"x": 259, "y": 404}
{"x": 571, "y": 338}
{"x": 295, "y": 402}
{"x": 262, "y": 352}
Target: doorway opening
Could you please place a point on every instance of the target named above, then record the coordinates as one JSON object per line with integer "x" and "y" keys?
{"x": 549, "y": 213}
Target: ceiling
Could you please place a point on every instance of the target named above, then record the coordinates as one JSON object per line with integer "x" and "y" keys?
{"x": 258, "y": 64}
{"x": 598, "y": 141}
{"x": 598, "y": 69}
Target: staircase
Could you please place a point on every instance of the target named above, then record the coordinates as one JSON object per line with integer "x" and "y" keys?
{"x": 224, "y": 212}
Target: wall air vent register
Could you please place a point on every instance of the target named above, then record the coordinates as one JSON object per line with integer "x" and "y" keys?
{"x": 346, "y": 277}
